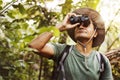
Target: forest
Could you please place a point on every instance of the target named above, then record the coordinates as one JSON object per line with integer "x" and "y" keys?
{"x": 23, "y": 20}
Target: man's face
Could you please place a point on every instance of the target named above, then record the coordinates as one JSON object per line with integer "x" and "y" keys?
{"x": 83, "y": 33}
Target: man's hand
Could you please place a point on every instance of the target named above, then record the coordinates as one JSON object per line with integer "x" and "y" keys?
{"x": 65, "y": 25}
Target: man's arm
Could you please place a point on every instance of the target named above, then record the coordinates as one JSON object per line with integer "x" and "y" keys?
{"x": 41, "y": 42}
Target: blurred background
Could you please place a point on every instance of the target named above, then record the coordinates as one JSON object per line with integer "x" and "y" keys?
{"x": 23, "y": 20}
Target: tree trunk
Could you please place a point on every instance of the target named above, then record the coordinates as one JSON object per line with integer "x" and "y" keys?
{"x": 114, "y": 57}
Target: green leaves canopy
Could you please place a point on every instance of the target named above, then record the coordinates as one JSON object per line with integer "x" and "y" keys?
{"x": 20, "y": 22}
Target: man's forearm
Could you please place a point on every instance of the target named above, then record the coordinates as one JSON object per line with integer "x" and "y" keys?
{"x": 39, "y": 42}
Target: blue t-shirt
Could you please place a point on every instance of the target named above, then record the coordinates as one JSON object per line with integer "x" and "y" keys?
{"x": 80, "y": 67}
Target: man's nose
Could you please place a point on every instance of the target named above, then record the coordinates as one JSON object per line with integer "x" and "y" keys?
{"x": 81, "y": 26}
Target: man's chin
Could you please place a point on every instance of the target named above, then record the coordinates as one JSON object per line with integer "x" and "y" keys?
{"x": 82, "y": 39}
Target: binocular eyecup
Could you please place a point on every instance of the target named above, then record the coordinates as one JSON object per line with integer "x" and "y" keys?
{"x": 84, "y": 20}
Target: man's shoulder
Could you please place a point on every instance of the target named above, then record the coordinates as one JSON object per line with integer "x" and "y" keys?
{"x": 103, "y": 56}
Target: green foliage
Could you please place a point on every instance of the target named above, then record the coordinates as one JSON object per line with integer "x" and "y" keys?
{"x": 1, "y": 4}
{"x": 93, "y": 4}
{"x": 20, "y": 22}
{"x": 66, "y": 7}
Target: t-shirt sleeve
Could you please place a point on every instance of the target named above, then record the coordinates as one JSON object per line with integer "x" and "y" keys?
{"x": 58, "y": 48}
{"x": 107, "y": 74}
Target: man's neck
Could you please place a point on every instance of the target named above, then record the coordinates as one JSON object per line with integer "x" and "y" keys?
{"x": 84, "y": 49}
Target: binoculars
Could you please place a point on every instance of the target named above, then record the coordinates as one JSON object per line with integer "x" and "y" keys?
{"x": 83, "y": 20}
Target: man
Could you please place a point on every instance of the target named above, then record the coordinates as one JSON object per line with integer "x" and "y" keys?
{"x": 86, "y": 28}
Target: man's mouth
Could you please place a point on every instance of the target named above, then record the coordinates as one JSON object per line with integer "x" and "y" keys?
{"x": 81, "y": 31}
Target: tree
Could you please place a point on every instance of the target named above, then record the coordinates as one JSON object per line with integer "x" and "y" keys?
{"x": 20, "y": 22}
{"x": 114, "y": 57}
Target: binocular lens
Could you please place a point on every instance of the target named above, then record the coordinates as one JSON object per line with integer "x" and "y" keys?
{"x": 84, "y": 20}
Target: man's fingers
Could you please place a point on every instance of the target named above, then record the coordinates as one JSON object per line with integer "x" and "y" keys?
{"x": 74, "y": 25}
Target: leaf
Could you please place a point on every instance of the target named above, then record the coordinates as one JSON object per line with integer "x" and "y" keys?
{"x": 0, "y": 7}
{"x": 28, "y": 38}
{"x": 23, "y": 25}
{"x": 67, "y": 6}
{"x": 15, "y": 6}
{"x": 1, "y": 78}
{"x": 50, "y": 29}
{"x": 1, "y": 2}
{"x": 55, "y": 31}
{"x": 42, "y": 1}
{"x": 21, "y": 9}
{"x": 10, "y": 14}
{"x": 7, "y": 67}
{"x": 14, "y": 0}
{"x": 91, "y": 3}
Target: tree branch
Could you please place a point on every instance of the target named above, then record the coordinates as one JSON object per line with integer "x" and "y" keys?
{"x": 109, "y": 27}
{"x": 6, "y": 7}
